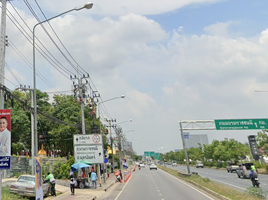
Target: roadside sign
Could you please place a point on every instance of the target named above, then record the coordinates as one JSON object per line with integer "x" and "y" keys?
{"x": 241, "y": 124}
{"x": 146, "y": 153}
{"x": 87, "y": 139}
{"x": 92, "y": 154}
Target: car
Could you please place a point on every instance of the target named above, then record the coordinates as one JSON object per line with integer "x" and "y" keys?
{"x": 199, "y": 164}
{"x": 231, "y": 167}
{"x": 153, "y": 166}
{"x": 243, "y": 170}
{"x": 174, "y": 164}
{"x": 142, "y": 165}
{"x": 25, "y": 186}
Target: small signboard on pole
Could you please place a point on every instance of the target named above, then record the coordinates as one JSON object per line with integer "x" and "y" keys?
{"x": 38, "y": 179}
{"x": 88, "y": 148}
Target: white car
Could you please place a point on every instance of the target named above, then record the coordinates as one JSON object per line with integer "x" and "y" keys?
{"x": 142, "y": 165}
{"x": 153, "y": 166}
{"x": 174, "y": 164}
{"x": 199, "y": 164}
{"x": 25, "y": 186}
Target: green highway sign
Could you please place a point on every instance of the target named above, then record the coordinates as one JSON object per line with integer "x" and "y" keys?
{"x": 146, "y": 153}
{"x": 240, "y": 124}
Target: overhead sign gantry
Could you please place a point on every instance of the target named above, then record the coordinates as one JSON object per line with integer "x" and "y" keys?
{"x": 220, "y": 124}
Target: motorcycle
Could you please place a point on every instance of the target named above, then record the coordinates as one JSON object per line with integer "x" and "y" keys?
{"x": 255, "y": 182}
{"x": 118, "y": 176}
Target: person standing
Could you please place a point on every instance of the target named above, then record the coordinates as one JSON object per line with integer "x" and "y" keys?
{"x": 72, "y": 183}
{"x": 5, "y": 138}
{"x": 52, "y": 183}
{"x": 93, "y": 177}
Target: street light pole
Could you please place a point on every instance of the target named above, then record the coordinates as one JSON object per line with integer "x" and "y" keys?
{"x": 122, "y": 96}
{"x": 87, "y": 6}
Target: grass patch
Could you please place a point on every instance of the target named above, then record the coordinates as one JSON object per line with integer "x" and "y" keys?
{"x": 6, "y": 195}
{"x": 230, "y": 193}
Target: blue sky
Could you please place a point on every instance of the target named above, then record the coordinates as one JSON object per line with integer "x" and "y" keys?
{"x": 249, "y": 16}
{"x": 173, "y": 60}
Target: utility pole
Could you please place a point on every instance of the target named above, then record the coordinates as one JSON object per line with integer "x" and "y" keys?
{"x": 2, "y": 67}
{"x": 80, "y": 94}
{"x": 111, "y": 138}
{"x": 32, "y": 125}
{"x": 118, "y": 131}
{"x": 3, "y": 51}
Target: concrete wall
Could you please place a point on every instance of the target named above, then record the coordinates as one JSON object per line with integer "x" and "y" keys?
{"x": 23, "y": 165}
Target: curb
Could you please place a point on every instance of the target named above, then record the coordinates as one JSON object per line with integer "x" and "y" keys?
{"x": 105, "y": 189}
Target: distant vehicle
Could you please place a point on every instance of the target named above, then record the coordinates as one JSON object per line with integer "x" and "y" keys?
{"x": 231, "y": 167}
{"x": 142, "y": 165}
{"x": 25, "y": 186}
{"x": 243, "y": 170}
{"x": 199, "y": 164}
{"x": 174, "y": 163}
{"x": 153, "y": 166}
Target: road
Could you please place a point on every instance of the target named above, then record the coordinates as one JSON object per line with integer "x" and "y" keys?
{"x": 155, "y": 185}
{"x": 223, "y": 177}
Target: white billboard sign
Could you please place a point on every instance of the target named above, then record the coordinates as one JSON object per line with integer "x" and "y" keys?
{"x": 95, "y": 139}
{"x": 92, "y": 153}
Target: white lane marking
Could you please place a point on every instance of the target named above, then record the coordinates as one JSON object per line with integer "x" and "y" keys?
{"x": 123, "y": 188}
{"x": 188, "y": 185}
{"x": 227, "y": 184}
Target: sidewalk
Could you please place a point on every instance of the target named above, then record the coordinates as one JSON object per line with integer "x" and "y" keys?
{"x": 86, "y": 193}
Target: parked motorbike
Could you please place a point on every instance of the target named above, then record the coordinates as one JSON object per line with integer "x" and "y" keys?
{"x": 255, "y": 182}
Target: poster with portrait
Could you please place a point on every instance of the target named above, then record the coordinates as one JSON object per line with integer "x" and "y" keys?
{"x": 5, "y": 138}
{"x": 38, "y": 179}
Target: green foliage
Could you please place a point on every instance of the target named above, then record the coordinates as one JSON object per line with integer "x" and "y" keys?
{"x": 16, "y": 174}
{"x": 218, "y": 151}
{"x": 17, "y": 147}
{"x": 257, "y": 192}
{"x": 266, "y": 168}
{"x": 61, "y": 170}
{"x": 56, "y": 170}
{"x": 8, "y": 196}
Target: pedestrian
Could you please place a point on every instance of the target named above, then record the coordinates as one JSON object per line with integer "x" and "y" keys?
{"x": 52, "y": 183}
{"x": 72, "y": 183}
{"x": 94, "y": 179}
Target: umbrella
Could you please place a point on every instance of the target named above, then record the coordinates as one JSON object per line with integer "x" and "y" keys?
{"x": 86, "y": 162}
{"x": 78, "y": 165}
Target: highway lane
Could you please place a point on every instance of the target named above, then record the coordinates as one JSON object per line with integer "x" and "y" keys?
{"x": 223, "y": 177}
{"x": 157, "y": 185}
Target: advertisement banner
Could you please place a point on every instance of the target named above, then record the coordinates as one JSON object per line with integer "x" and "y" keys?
{"x": 38, "y": 179}
{"x": 5, "y": 138}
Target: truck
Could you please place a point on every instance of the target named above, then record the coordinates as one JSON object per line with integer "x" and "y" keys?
{"x": 232, "y": 167}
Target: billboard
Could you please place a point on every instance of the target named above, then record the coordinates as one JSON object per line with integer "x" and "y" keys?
{"x": 5, "y": 138}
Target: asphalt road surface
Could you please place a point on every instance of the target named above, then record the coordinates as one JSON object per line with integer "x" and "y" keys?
{"x": 146, "y": 184}
{"x": 223, "y": 177}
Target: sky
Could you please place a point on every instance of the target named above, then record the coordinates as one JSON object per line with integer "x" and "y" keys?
{"x": 173, "y": 60}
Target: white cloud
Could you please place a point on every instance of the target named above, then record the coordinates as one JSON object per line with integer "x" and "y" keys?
{"x": 123, "y": 7}
{"x": 166, "y": 77}
{"x": 219, "y": 29}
